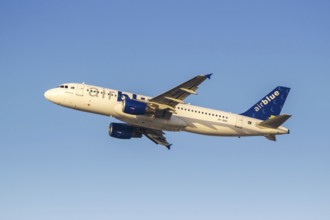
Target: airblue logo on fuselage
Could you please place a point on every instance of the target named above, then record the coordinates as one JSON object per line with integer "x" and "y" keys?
{"x": 264, "y": 102}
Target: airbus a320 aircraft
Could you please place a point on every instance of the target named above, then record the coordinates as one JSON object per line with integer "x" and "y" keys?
{"x": 151, "y": 116}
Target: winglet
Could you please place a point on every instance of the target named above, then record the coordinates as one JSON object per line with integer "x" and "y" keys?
{"x": 168, "y": 146}
{"x": 209, "y": 75}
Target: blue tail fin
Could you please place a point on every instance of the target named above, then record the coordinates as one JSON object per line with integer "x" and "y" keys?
{"x": 270, "y": 105}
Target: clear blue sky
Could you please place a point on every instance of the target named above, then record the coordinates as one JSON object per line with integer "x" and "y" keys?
{"x": 56, "y": 163}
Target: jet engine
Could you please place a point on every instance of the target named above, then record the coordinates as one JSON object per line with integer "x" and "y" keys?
{"x": 123, "y": 131}
{"x": 134, "y": 107}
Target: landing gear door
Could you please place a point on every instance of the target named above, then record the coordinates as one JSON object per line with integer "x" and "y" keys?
{"x": 80, "y": 89}
{"x": 239, "y": 121}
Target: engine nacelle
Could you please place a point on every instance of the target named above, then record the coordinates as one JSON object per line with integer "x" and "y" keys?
{"x": 134, "y": 107}
{"x": 123, "y": 131}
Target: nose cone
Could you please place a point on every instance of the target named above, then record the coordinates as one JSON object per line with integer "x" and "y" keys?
{"x": 48, "y": 95}
{"x": 52, "y": 95}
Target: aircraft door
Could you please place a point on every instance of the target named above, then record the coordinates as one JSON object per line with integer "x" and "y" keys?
{"x": 239, "y": 121}
{"x": 80, "y": 89}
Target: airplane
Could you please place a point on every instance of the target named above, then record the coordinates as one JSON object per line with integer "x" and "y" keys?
{"x": 151, "y": 116}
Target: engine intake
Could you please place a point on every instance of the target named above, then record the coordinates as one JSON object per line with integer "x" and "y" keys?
{"x": 134, "y": 107}
{"x": 123, "y": 131}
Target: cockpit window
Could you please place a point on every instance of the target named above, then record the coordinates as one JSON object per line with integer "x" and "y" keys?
{"x": 63, "y": 86}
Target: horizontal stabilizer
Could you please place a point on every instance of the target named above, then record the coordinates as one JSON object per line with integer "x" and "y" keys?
{"x": 274, "y": 122}
{"x": 271, "y": 137}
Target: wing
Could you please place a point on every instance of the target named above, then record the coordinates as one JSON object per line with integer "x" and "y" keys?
{"x": 166, "y": 102}
{"x": 157, "y": 137}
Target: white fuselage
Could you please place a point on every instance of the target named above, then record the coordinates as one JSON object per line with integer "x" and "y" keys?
{"x": 187, "y": 117}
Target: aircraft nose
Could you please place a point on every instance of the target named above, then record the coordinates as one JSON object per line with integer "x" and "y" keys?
{"x": 48, "y": 94}
{"x": 52, "y": 95}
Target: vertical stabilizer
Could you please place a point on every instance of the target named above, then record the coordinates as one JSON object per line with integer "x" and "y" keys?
{"x": 270, "y": 105}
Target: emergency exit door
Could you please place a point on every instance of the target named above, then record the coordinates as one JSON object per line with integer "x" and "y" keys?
{"x": 80, "y": 89}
